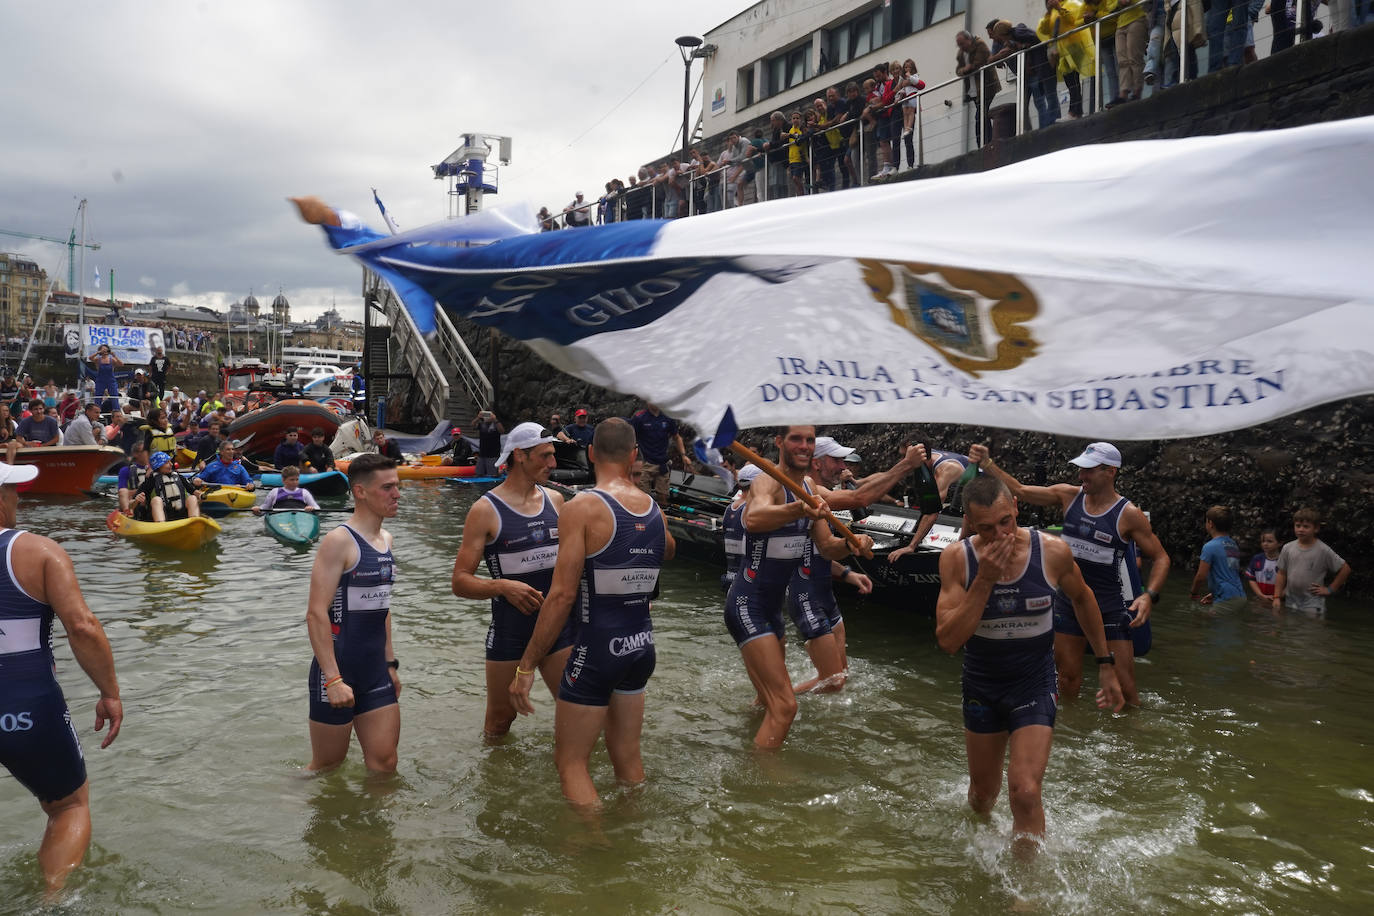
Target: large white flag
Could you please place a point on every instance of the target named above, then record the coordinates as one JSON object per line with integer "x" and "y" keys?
{"x": 1119, "y": 291}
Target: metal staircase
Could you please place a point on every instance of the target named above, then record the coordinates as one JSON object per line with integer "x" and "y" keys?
{"x": 450, "y": 383}
{"x": 377, "y": 364}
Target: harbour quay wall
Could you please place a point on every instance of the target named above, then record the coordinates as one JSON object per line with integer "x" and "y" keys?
{"x": 190, "y": 370}
{"x": 1323, "y": 458}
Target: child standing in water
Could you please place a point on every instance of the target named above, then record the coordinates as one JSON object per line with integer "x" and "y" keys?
{"x": 1219, "y": 566}
{"x": 1259, "y": 575}
{"x": 1304, "y": 565}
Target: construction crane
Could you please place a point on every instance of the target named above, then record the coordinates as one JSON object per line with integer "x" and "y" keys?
{"x": 71, "y": 243}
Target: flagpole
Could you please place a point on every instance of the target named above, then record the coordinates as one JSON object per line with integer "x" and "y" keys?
{"x": 773, "y": 471}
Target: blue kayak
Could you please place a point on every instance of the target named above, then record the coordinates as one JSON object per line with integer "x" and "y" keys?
{"x": 330, "y": 483}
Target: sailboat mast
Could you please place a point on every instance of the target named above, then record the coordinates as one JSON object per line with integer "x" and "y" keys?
{"x": 81, "y": 281}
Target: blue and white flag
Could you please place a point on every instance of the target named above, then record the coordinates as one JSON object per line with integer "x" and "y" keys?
{"x": 1123, "y": 291}
{"x": 96, "y": 283}
{"x": 391, "y": 223}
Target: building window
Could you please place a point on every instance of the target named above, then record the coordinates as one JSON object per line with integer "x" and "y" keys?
{"x": 859, "y": 35}
{"x": 913, "y": 15}
{"x": 744, "y": 88}
{"x": 874, "y": 28}
{"x": 788, "y": 69}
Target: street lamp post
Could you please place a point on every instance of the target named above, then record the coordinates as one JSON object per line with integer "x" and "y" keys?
{"x": 686, "y": 46}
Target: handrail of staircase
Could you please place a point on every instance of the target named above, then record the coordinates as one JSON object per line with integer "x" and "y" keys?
{"x": 479, "y": 388}
{"x": 436, "y": 391}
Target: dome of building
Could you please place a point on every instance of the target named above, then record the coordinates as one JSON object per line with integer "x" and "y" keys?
{"x": 250, "y": 305}
{"x": 280, "y": 302}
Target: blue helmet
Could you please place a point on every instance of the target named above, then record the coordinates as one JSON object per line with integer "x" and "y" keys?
{"x": 158, "y": 459}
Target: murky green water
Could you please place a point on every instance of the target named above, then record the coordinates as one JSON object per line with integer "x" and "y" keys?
{"x": 1244, "y": 785}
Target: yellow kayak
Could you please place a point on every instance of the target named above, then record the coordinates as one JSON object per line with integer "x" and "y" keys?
{"x": 232, "y": 497}
{"x": 183, "y": 534}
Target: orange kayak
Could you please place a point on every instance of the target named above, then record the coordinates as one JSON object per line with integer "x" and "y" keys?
{"x": 421, "y": 471}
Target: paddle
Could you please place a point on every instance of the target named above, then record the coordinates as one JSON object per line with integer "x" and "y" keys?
{"x": 773, "y": 471}
{"x": 344, "y": 511}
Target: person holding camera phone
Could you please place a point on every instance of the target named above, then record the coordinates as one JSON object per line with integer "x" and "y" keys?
{"x": 489, "y": 432}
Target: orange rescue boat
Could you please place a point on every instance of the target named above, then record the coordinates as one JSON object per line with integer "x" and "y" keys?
{"x": 67, "y": 470}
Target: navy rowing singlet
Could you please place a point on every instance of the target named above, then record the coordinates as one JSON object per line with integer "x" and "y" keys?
{"x": 1098, "y": 547}
{"x": 1016, "y": 633}
{"x": 618, "y": 579}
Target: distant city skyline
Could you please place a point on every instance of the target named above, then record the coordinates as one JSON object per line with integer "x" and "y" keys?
{"x": 187, "y": 126}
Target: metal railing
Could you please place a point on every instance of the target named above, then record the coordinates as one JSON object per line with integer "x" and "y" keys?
{"x": 941, "y": 128}
{"x": 465, "y": 366}
{"x": 429, "y": 377}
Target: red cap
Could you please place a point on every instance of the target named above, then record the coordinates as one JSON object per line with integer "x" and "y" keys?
{"x": 579, "y": 412}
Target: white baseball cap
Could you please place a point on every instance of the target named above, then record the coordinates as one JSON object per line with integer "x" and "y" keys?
{"x": 827, "y": 447}
{"x": 17, "y": 473}
{"x": 747, "y": 474}
{"x": 526, "y": 435}
{"x": 1097, "y": 454}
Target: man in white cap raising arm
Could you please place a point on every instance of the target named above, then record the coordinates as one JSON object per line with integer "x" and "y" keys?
{"x": 811, "y": 595}
{"x": 38, "y": 742}
{"x": 514, "y": 528}
{"x": 1099, "y": 524}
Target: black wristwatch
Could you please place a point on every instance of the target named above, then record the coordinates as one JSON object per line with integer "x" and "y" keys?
{"x": 1108, "y": 659}
{"x": 1154, "y": 595}
{"x": 394, "y": 665}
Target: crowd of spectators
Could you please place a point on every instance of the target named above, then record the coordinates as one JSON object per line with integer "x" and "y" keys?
{"x": 864, "y": 131}
{"x": 26, "y": 409}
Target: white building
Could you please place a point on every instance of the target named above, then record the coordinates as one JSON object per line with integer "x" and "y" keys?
{"x": 780, "y": 54}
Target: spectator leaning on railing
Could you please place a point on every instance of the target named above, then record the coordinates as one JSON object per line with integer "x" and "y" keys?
{"x": 1132, "y": 34}
{"x": 731, "y": 160}
{"x": 825, "y": 148}
{"x": 775, "y": 148}
{"x": 1100, "y": 11}
{"x": 1072, "y": 55}
{"x": 837, "y": 113}
{"x": 575, "y": 214}
{"x": 796, "y": 154}
{"x": 1040, "y": 76}
{"x": 980, "y": 85}
{"x": 880, "y": 96}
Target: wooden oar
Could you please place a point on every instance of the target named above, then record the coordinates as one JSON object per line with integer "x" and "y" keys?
{"x": 773, "y": 471}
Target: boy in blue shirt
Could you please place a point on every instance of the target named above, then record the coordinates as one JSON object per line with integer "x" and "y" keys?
{"x": 1219, "y": 566}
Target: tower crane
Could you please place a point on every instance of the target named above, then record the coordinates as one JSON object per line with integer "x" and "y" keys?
{"x": 71, "y": 243}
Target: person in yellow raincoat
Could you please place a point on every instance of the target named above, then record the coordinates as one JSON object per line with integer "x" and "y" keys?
{"x": 1073, "y": 52}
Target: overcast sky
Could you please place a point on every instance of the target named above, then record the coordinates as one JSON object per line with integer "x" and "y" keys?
{"x": 187, "y": 124}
